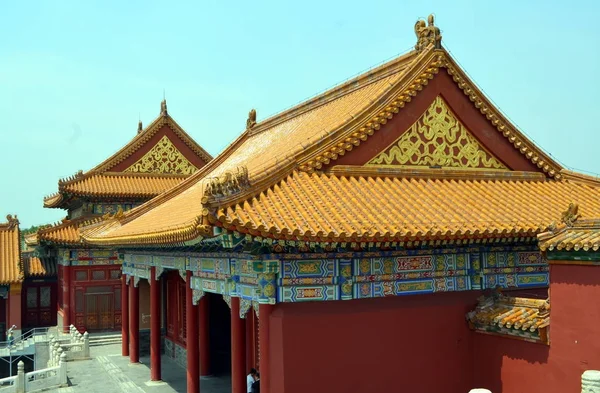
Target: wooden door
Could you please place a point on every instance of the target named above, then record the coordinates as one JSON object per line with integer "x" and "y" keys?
{"x": 39, "y": 310}
{"x": 99, "y": 308}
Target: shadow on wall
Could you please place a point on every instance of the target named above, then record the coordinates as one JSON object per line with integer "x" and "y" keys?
{"x": 498, "y": 359}
{"x": 577, "y": 275}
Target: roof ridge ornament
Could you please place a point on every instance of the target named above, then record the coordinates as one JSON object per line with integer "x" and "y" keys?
{"x": 229, "y": 183}
{"x": 570, "y": 215}
{"x": 163, "y": 107}
{"x": 140, "y": 128}
{"x": 13, "y": 221}
{"x": 427, "y": 34}
{"x": 251, "y": 122}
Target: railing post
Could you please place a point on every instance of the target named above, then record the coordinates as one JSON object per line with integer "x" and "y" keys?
{"x": 20, "y": 383}
{"x": 63, "y": 370}
{"x": 590, "y": 381}
{"x": 86, "y": 345}
{"x": 59, "y": 352}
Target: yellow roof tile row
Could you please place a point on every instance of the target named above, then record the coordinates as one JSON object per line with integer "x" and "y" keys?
{"x": 65, "y": 232}
{"x": 10, "y": 252}
{"x": 111, "y": 184}
{"x": 363, "y": 208}
{"x": 39, "y": 266}
{"x": 513, "y": 316}
{"x": 584, "y": 235}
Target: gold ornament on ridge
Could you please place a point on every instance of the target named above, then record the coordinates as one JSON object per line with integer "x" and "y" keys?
{"x": 163, "y": 158}
{"x": 438, "y": 139}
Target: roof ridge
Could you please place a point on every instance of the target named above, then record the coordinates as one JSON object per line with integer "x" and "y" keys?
{"x": 143, "y": 136}
{"x": 370, "y": 76}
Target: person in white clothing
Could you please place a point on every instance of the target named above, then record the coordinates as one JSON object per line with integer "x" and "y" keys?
{"x": 250, "y": 380}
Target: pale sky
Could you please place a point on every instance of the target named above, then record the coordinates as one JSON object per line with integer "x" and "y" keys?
{"x": 75, "y": 75}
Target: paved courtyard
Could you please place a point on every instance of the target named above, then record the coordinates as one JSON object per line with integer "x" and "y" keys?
{"x": 109, "y": 372}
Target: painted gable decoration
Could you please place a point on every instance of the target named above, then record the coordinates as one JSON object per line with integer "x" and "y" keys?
{"x": 163, "y": 158}
{"x": 438, "y": 138}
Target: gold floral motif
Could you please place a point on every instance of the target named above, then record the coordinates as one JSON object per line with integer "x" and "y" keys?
{"x": 440, "y": 262}
{"x": 308, "y": 267}
{"x": 269, "y": 290}
{"x": 388, "y": 266}
{"x": 365, "y": 266}
{"x": 438, "y": 138}
{"x": 163, "y": 158}
{"x": 460, "y": 261}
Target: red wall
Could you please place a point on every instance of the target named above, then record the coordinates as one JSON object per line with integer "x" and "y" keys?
{"x": 512, "y": 366}
{"x": 416, "y": 343}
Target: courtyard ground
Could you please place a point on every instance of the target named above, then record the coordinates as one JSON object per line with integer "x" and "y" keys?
{"x": 109, "y": 372}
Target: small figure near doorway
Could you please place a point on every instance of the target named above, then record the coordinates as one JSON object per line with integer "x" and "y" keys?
{"x": 250, "y": 380}
{"x": 256, "y": 384}
{"x": 10, "y": 336}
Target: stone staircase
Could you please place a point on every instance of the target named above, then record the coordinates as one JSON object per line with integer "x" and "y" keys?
{"x": 99, "y": 339}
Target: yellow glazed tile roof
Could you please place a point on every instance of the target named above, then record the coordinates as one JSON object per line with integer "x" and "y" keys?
{"x": 101, "y": 182}
{"x": 316, "y": 133}
{"x": 65, "y": 232}
{"x": 111, "y": 184}
{"x": 523, "y": 318}
{"x": 584, "y": 235}
{"x": 10, "y": 252}
{"x": 269, "y": 144}
{"x": 376, "y": 207}
{"x": 39, "y": 266}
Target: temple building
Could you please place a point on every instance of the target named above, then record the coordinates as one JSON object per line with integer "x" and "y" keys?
{"x": 11, "y": 276}
{"x": 339, "y": 245}
{"x": 158, "y": 158}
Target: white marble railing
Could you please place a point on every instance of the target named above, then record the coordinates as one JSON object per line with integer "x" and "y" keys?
{"x": 47, "y": 378}
{"x": 8, "y": 384}
{"x": 77, "y": 347}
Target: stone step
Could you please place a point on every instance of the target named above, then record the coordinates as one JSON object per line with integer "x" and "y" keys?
{"x": 97, "y": 343}
{"x": 104, "y": 336}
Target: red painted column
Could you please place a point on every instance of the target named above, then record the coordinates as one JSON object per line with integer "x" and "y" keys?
{"x": 193, "y": 368}
{"x": 134, "y": 323}
{"x": 249, "y": 342}
{"x": 124, "y": 316}
{"x": 264, "y": 314}
{"x": 155, "y": 364}
{"x": 204, "y": 338}
{"x": 14, "y": 306}
{"x": 66, "y": 306}
{"x": 238, "y": 349}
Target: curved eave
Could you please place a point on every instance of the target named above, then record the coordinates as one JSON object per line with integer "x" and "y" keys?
{"x": 53, "y": 201}
{"x": 188, "y": 235}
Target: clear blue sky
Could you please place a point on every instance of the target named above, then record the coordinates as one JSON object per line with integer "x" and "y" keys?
{"x": 75, "y": 75}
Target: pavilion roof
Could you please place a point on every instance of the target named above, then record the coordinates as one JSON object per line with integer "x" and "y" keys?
{"x": 278, "y": 179}
{"x": 124, "y": 176}
{"x": 582, "y": 235}
{"x": 10, "y": 252}
{"x": 65, "y": 232}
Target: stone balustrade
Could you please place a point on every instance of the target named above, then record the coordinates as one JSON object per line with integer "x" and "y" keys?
{"x": 51, "y": 377}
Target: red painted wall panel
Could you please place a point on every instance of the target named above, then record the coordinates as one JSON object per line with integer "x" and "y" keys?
{"x": 511, "y": 366}
{"x": 415, "y": 343}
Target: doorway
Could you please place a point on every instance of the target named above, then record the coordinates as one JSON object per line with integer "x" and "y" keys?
{"x": 99, "y": 310}
{"x": 219, "y": 335}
